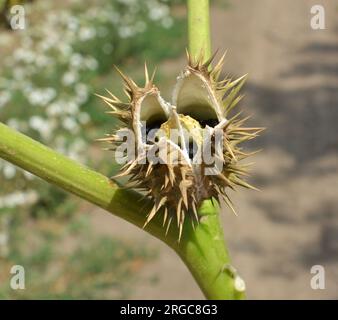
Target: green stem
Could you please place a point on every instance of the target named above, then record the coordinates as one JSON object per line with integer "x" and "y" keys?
{"x": 202, "y": 249}
{"x": 199, "y": 28}
{"x": 200, "y": 44}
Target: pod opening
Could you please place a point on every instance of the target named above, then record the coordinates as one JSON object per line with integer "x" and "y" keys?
{"x": 193, "y": 99}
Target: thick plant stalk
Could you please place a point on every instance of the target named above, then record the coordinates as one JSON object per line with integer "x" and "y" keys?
{"x": 199, "y": 28}
{"x": 200, "y": 44}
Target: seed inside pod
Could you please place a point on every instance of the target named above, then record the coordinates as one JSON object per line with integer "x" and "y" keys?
{"x": 208, "y": 122}
{"x": 152, "y": 126}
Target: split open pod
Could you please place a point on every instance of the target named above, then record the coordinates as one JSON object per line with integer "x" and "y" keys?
{"x": 183, "y": 151}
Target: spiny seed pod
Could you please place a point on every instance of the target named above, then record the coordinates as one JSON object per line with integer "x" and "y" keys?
{"x": 200, "y": 106}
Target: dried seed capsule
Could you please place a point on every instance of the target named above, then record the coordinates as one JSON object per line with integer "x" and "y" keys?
{"x": 184, "y": 136}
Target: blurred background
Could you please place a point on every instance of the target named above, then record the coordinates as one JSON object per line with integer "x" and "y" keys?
{"x": 49, "y": 72}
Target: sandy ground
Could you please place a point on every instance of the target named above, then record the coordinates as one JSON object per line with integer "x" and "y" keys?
{"x": 292, "y": 90}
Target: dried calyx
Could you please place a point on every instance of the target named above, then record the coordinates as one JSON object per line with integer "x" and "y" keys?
{"x": 200, "y": 106}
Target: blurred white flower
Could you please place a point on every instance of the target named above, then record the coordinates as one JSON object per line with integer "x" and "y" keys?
{"x": 76, "y": 60}
{"x": 91, "y": 63}
{"x": 71, "y": 108}
{"x": 87, "y": 33}
{"x": 70, "y": 124}
{"x": 83, "y": 118}
{"x": 40, "y": 97}
{"x": 4, "y": 235}
{"x": 54, "y": 109}
{"x": 34, "y": 97}
{"x": 9, "y": 171}
{"x": 18, "y": 198}
{"x": 19, "y": 73}
{"x": 13, "y": 123}
{"x": 42, "y": 61}
{"x": 158, "y": 12}
{"x": 69, "y": 78}
{"x": 66, "y": 49}
{"x": 73, "y": 23}
{"x": 5, "y": 96}
{"x": 125, "y": 32}
{"x": 167, "y": 22}
{"x": 50, "y": 93}
{"x": 81, "y": 91}
{"x": 24, "y": 55}
{"x": 43, "y": 126}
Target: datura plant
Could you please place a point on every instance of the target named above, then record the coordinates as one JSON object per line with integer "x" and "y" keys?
{"x": 184, "y": 155}
{"x": 172, "y": 143}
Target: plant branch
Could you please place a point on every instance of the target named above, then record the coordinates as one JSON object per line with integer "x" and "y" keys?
{"x": 199, "y": 28}
{"x": 200, "y": 44}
